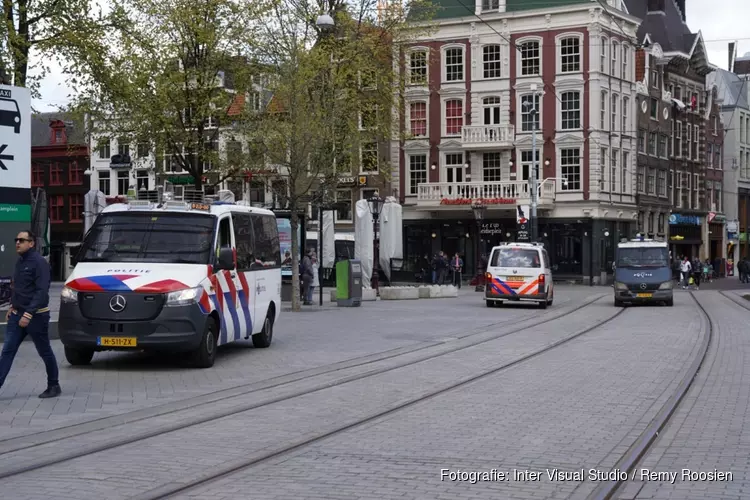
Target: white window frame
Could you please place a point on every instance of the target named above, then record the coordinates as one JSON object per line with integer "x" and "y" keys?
{"x": 362, "y": 192}
{"x": 519, "y": 57}
{"x": 527, "y": 164}
{"x": 566, "y": 186}
{"x": 444, "y": 114}
{"x": 559, "y": 39}
{"x": 614, "y": 52}
{"x": 444, "y": 164}
{"x": 498, "y": 105}
{"x": 519, "y": 106}
{"x": 376, "y": 109}
{"x": 624, "y": 171}
{"x": 362, "y": 171}
{"x": 426, "y": 51}
{"x": 351, "y": 205}
{"x": 614, "y": 169}
{"x": 625, "y": 104}
{"x": 603, "y": 54}
{"x": 444, "y": 62}
{"x": 580, "y": 109}
{"x": 407, "y": 168}
{"x": 603, "y": 169}
{"x": 603, "y": 101}
{"x": 625, "y": 55}
{"x": 426, "y": 102}
{"x": 613, "y": 105}
{"x": 485, "y": 62}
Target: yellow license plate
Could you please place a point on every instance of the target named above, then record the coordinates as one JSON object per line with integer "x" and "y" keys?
{"x": 644, "y": 295}
{"x": 516, "y": 278}
{"x": 117, "y": 341}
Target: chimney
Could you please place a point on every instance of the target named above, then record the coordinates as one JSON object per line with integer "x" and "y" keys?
{"x": 681, "y": 6}
{"x": 732, "y": 55}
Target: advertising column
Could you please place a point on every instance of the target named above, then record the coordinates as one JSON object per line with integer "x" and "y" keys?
{"x": 15, "y": 177}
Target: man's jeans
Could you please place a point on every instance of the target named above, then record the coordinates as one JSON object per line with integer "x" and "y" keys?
{"x": 38, "y": 329}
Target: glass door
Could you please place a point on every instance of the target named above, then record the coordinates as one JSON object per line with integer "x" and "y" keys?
{"x": 454, "y": 173}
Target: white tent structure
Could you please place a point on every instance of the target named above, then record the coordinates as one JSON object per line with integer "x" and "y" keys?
{"x": 328, "y": 258}
{"x": 363, "y": 239}
{"x": 391, "y": 237}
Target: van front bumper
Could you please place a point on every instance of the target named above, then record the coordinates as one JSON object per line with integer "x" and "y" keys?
{"x": 647, "y": 296}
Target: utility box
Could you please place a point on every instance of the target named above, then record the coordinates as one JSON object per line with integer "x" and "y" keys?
{"x": 349, "y": 283}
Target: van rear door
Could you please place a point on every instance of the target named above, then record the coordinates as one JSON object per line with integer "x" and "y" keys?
{"x": 516, "y": 270}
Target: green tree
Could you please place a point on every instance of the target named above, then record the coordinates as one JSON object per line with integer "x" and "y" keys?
{"x": 334, "y": 90}
{"x": 175, "y": 76}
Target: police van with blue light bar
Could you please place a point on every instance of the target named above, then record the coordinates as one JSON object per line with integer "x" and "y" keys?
{"x": 643, "y": 273}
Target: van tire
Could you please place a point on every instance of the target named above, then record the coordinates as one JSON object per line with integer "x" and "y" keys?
{"x": 205, "y": 355}
{"x": 263, "y": 339}
{"x": 543, "y": 304}
{"x": 619, "y": 303}
{"x": 79, "y": 357}
{"x": 551, "y": 298}
{"x": 670, "y": 303}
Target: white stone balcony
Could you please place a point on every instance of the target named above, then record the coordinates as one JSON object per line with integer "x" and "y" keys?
{"x": 480, "y": 137}
{"x": 503, "y": 194}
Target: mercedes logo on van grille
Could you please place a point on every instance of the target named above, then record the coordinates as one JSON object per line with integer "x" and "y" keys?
{"x": 117, "y": 303}
{"x": 643, "y": 287}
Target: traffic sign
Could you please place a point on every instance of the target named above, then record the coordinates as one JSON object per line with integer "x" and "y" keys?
{"x": 15, "y": 137}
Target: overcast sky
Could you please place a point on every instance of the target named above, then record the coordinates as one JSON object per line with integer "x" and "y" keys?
{"x": 720, "y": 21}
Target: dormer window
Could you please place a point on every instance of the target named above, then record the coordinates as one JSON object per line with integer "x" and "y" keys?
{"x": 58, "y": 136}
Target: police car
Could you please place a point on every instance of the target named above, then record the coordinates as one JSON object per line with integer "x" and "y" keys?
{"x": 174, "y": 277}
{"x": 519, "y": 272}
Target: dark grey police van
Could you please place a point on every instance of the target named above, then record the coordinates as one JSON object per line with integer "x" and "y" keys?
{"x": 643, "y": 274}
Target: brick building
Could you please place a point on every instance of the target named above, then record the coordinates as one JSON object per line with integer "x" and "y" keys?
{"x": 59, "y": 157}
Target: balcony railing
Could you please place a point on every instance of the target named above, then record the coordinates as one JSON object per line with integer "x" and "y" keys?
{"x": 492, "y": 193}
{"x": 488, "y": 136}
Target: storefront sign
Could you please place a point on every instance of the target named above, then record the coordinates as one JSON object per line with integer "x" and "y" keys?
{"x": 522, "y": 232}
{"x": 485, "y": 201}
{"x": 490, "y": 229}
{"x": 719, "y": 219}
{"x": 692, "y": 220}
{"x": 347, "y": 180}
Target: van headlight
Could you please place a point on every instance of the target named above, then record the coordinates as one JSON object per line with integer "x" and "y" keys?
{"x": 68, "y": 295}
{"x": 667, "y": 285}
{"x": 620, "y": 286}
{"x": 184, "y": 297}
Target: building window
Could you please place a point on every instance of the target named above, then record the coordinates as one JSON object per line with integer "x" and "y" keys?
{"x": 625, "y": 56}
{"x": 488, "y": 5}
{"x": 615, "y": 49}
{"x": 368, "y": 117}
{"x": 491, "y": 107}
{"x": 688, "y": 139}
{"x": 613, "y": 170}
{"x": 603, "y": 55}
{"x": 492, "y": 167}
{"x": 492, "y": 61}
{"x": 123, "y": 183}
{"x": 123, "y": 146}
{"x": 454, "y": 65}
{"x": 661, "y": 183}
{"x": 570, "y": 54}
{"x": 654, "y": 108}
{"x": 652, "y": 143}
{"x": 418, "y": 119}
{"x": 56, "y": 208}
{"x": 529, "y": 114}
{"x": 710, "y": 155}
{"x": 625, "y": 130}
{"x": 141, "y": 181}
{"x": 75, "y": 174}
{"x": 37, "y": 175}
{"x": 603, "y": 112}
{"x": 603, "y": 169}
{"x": 369, "y": 157}
{"x": 526, "y": 164}
{"x": 366, "y": 194}
{"x": 654, "y": 76}
{"x": 662, "y": 150}
{"x": 55, "y": 174}
{"x": 613, "y": 113}
{"x": 641, "y": 179}
{"x": 453, "y": 117}
{"x": 418, "y": 67}
{"x": 651, "y": 182}
{"x": 104, "y": 149}
{"x": 454, "y": 167}
{"x": 677, "y": 127}
{"x": 344, "y": 212}
{"x": 641, "y": 140}
{"x": 696, "y": 139}
{"x": 142, "y": 149}
{"x": 571, "y": 110}
{"x": 75, "y": 207}
{"x": 530, "y": 58}
{"x": 624, "y": 171}
{"x": 104, "y": 182}
{"x": 718, "y": 206}
{"x": 417, "y": 172}
{"x": 570, "y": 168}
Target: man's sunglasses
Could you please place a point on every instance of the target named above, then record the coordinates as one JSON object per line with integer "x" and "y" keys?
{"x": 21, "y": 240}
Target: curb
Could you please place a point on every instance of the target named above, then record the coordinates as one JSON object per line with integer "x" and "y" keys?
{"x": 53, "y": 335}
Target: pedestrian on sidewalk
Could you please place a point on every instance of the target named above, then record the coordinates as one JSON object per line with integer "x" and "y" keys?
{"x": 685, "y": 268}
{"x": 29, "y": 312}
{"x": 457, "y": 266}
{"x": 315, "y": 277}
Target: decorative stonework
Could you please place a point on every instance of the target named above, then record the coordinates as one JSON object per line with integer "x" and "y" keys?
{"x": 641, "y": 88}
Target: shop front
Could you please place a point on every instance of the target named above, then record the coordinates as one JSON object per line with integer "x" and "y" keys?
{"x": 716, "y": 231}
{"x": 685, "y": 237}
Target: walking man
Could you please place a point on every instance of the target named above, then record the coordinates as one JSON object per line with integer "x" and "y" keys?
{"x": 29, "y": 312}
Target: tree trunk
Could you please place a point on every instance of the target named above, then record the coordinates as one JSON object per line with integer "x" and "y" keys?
{"x": 295, "y": 257}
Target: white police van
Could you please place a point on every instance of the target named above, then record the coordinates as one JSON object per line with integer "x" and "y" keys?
{"x": 519, "y": 272}
{"x": 173, "y": 277}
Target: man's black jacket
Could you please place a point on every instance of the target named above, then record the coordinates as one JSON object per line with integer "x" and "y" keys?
{"x": 31, "y": 283}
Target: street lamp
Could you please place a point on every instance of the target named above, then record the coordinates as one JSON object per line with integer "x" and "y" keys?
{"x": 478, "y": 207}
{"x": 531, "y": 107}
{"x": 376, "y": 206}
{"x": 324, "y": 22}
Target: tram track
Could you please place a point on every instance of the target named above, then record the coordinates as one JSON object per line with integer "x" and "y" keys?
{"x": 29, "y": 440}
{"x": 741, "y": 302}
{"x": 644, "y": 442}
{"x": 193, "y": 482}
{"x": 48, "y": 453}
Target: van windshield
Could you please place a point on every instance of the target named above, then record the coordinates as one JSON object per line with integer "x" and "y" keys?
{"x": 515, "y": 257}
{"x": 642, "y": 257}
{"x": 149, "y": 237}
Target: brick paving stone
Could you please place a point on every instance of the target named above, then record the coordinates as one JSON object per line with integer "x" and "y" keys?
{"x": 120, "y": 382}
{"x": 709, "y": 429}
{"x": 569, "y": 408}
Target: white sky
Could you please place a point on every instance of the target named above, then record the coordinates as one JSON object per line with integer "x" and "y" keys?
{"x": 720, "y": 21}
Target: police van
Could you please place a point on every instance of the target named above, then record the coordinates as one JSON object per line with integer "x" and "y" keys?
{"x": 643, "y": 273}
{"x": 519, "y": 272}
{"x": 173, "y": 277}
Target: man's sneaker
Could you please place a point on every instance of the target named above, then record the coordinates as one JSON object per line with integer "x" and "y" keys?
{"x": 52, "y": 392}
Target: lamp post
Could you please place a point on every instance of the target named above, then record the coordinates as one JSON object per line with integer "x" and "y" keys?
{"x": 376, "y": 206}
{"x": 534, "y": 174}
{"x": 478, "y": 207}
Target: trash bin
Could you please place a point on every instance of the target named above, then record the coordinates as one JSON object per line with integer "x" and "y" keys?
{"x": 349, "y": 283}
{"x": 286, "y": 290}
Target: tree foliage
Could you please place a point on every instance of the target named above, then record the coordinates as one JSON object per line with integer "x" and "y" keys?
{"x": 168, "y": 76}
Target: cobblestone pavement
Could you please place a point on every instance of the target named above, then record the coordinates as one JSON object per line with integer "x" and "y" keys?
{"x": 708, "y": 432}
{"x": 120, "y": 382}
{"x": 576, "y": 407}
{"x": 579, "y": 405}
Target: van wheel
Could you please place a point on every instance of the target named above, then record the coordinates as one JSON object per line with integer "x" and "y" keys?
{"x": 670, "y": 303}
{"x": 205, "y": 355}
{"x": 619, "y": 303}
{"x": 264, "y": 338}
{"x": 543, "y": 304}
{"x": 551, "y": 298}
{"x": 78, "y": 357}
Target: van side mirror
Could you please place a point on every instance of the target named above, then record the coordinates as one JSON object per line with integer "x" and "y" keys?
{"x": 226, "y": 259}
